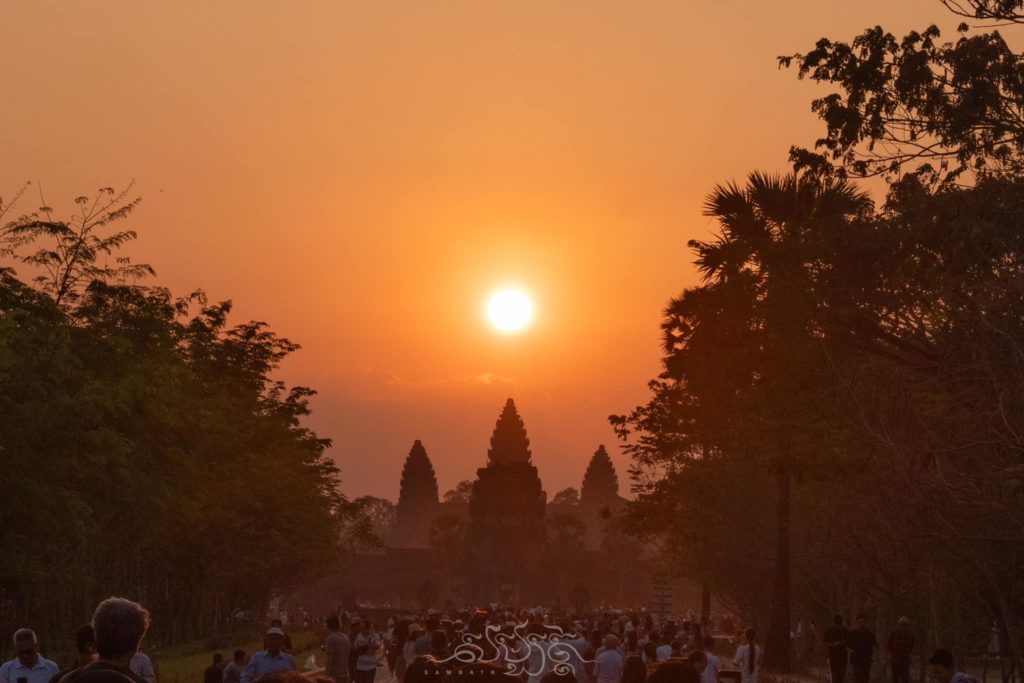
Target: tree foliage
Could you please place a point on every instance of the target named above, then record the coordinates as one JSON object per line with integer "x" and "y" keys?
{"x": 148, "y": 449}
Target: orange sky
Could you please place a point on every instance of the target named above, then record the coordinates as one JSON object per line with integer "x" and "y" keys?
{"x": 363, "y": 174}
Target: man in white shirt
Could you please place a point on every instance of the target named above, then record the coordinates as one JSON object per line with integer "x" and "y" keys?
{"x": 27, "y": 663}
{"x": 609, "y": 663}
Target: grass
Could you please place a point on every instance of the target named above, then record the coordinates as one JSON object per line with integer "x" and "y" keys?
{"x": 186, "y": 663}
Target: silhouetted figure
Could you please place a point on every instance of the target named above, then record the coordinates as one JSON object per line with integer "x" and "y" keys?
{"x": 337, "y": 647}
{"x": 367, "y": 648}
{"x": 85, "y": 650}
{"x": 835, "y": 645}
{"x": 119, "y": 626}
{"x": 944, "y": 671}
{"x": 710, "y": 673}
{"x": 862, "y": 644}
{"x": 900, "y": 647}
{"x": 215, "y": 672}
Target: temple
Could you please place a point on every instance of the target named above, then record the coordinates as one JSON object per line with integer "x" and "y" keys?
{"x": 503, "y": 540}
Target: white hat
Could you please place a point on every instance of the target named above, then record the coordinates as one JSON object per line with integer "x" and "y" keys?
{"x": 275, "y": 631}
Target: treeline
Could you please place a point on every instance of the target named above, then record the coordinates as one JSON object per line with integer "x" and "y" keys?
{"x": 843, "y": 393}
{"x": 146, "y": 448}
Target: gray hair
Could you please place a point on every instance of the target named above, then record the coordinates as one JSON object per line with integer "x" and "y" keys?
{"x": 119, "y": 625}
{"x": 24, "y": 634}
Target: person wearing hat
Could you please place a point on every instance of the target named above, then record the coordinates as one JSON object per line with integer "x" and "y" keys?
{"x": 271, "y": 660}
{"x": 900, "y": 647}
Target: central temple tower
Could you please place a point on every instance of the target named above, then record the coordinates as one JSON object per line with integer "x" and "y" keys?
{"x": 506, "y": 512}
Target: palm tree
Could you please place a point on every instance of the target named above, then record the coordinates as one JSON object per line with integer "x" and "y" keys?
{"x": 740, "y": 342}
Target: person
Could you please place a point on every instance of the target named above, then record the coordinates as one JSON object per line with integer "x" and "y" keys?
{"x": 862, "y": 644}
{"x": 634, "y": 670}
{"x": 835, "y": 646}
{"x": 748, "y": 657}
{"x": 608, "y": 666}
{"x": 233, "y": 671}
{"x": 142, "y": 666}
{"x": 674, "y": 672}
{"x": 423, "y": 642}
{"x": 439, "y": 644}
{"x": 710, "y": 673}
{"x": 215, "y": 672}
{"x": 409, "y": 646}
{"x": 649, "y": 653}
{"x": 85, "y": 647}
{"x": 119, "y": 626}
{"x": 27, "y": 666}
{"x": 944, "y": 671}
{"x": 698, "y": 660}
{"x": 336, "y": 647}
{"x": 900, "y": 647}
{"x": 271, "y": 660}
{"x": 287, "y": 646}
{"x": 664, "y": 648}
{"x": 366, "y": 646}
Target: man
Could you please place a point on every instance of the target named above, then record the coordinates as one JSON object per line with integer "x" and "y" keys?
{"x": 698, "y": 660}
{"x": 423, "y": 642}
{"x": 233, "y": 671}
{"x": 862, "y": 644}
{"x": 710, "y": 673}
{"x": 271, "y": 660}
{"x": 943, "y": 671}
{"x": 119, "y": 626}
{"x": 609, "y": 663}
{"x": 900, "y": 647}
{"x": 366, "y": 646}
{"x": 835, "y": 645}
{"x": 27, "y": 666}
{"x": 215, "y": 672}
{"x": 337, "y": 646}
{"x": 287, "y": 647}
{"x": 85, "y": 649}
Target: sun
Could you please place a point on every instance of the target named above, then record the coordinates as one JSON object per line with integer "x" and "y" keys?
{"x": 509, "y": 310}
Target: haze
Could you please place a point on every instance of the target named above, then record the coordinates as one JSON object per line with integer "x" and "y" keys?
{"x": 363, "y": 175}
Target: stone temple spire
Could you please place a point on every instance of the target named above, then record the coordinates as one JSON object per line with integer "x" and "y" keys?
{"x": 417, "y": 501}
{"x": 509, "y": 443}
{"x": 600, "y": 483}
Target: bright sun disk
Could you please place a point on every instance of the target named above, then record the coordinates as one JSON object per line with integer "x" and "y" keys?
{"x": 509, "y": 310}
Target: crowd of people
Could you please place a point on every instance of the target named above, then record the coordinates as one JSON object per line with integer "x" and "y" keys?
{"x": 529, "y": 645}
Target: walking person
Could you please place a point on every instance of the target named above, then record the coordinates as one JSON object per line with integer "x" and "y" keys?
{"x": 944, "y": 671}
{"x": 901, "y": 647}
{"x": 233, "y": 671}
{"x": 835, "y": 645}
{"x": 710, "y": 673}
{"x": 367, "y": 648}
{"x": 336, "y": 647}
{"x": 748, "y": 657}
{"x": 862, "y": 644}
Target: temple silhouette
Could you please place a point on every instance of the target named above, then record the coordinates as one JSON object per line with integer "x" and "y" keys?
{"x": 507, "y": 542}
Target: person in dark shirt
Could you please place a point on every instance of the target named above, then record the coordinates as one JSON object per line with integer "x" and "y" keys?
{"x": 901, "y": 646}
{"x": 862, "y": 644}
{"x": 85, "y": 646}
{"x": 215, "y": 672}
{"x": 835, "y": 646}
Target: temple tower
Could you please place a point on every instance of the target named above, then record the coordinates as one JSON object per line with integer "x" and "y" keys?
{"x": 599, "y": 498}
{"x": 418, "y": 501}
{"x": 506, "y": 512}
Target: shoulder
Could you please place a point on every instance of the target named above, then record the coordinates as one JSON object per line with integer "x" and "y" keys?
{"x": 50, "y": 663}
{"x": 5, "y": 667}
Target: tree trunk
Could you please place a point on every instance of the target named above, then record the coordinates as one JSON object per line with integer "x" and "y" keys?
{"x": 777, "y": 645}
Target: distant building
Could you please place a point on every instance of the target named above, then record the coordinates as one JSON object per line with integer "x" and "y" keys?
{"x": 495, "y": 546}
